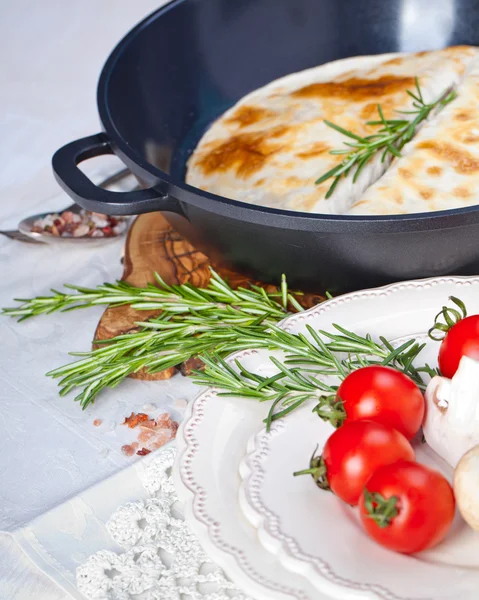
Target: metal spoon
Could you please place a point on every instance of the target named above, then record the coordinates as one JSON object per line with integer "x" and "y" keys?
{"x": 25, "y": 233}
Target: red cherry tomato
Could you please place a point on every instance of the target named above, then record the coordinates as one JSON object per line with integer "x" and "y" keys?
{"x": 383, "y": 395}
{"x": 461, "y": 340}
{"x": 407, "y": 507}
{"x": 354, "y": 452}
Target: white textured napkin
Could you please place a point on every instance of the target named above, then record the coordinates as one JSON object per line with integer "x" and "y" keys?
{"x": 123, "y": 537}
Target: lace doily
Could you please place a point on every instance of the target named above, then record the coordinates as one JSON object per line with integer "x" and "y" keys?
{"x": 162, "y": 559}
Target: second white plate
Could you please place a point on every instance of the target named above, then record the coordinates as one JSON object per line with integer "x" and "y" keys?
{"x": 343, "y": 563}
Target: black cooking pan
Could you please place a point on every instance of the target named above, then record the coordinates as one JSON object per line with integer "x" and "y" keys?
{"x": 184, "y": 65}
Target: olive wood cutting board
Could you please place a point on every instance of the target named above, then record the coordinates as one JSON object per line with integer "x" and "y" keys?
{"x": 152, "y": 245}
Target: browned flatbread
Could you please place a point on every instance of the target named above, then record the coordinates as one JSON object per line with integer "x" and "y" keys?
{"x": 270, "y": 148}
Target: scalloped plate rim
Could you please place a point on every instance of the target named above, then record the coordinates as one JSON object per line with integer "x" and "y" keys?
{"x": 218, "y": 548}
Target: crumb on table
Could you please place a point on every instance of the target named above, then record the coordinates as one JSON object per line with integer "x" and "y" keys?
{"x": 153, "y": 434}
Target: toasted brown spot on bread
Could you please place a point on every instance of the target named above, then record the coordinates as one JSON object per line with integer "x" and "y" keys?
{"x": 314, "y": 150}
{"x": 259, "y": 182}
{"x": 308, "y": 201}
{"x": 249, "y": 115}
{"x": 347, "y": 75}
{"x": 459, "y": 49}
{"x": 356, "y": 89}
{"x": 434, "y": 170}
{"x": 464, "y": 115}
{"x": 277, "y": 132}
{"x": 360, "y": 203}
{"x": 426, "y": 194}
{"x": 471, "y": 139}
{"x": 460, "y": 160}
{"x": 461, "y": 192}
{"x": 395, "y": 61}
{"x": 245, "y": 152}
{"x": 405, "y": 173}
{"x": 369, "y": 112}
{"x": 292, "y": 182}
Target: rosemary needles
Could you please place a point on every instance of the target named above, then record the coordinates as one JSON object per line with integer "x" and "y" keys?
{"x": 388, "y": 140}
{"x": 192, "y": 321}
{"x": 310, "y": 368}
{"x": 209, "y": 324}
{"x": 171, "y": 299}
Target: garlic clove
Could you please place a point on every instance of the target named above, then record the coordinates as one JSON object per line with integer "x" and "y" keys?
{"x": 438, "y": 392}
{"x": 451, "y": 425}
{"x": 435, "y": 427}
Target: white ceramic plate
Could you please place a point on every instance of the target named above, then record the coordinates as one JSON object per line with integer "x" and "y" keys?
{"x": 320, "y": 542}
{"x": 316, "y": 535}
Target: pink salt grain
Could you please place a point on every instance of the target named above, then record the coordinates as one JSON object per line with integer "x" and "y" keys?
{"x": 145, "y": 436}
{"x": 68, "y": 216}
{"x": 153, "y": 434}
{"x": 143, "y": 452}
{"x": 163, "y": 420}
{"x": 161, "y": 438}
{"x": 97, "y": 422}
{"x": 128, "y": 450}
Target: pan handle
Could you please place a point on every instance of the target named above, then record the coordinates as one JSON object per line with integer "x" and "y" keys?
{"x": 90, "y": 196}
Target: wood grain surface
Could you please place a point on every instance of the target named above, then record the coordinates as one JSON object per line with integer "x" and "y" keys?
{"x": 153, "y": 246}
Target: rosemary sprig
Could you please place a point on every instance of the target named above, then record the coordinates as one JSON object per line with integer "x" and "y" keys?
{"x": 389, "y": 139}
{"x": 306, "y": 362}
{"x": 161, "y": 343}
{"x": 192, "y": 321}
{"x": 210, "y": 324}
{"x": 174, "y": 299}
{"x": 168, "y": 341}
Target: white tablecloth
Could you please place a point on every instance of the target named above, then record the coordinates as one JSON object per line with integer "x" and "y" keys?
{"x": 52, "y": 53}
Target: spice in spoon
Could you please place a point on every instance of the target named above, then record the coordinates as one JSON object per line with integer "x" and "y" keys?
{"x": 82, "y": 224}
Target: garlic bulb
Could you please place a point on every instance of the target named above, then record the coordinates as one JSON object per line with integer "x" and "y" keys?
{"x": 466, "y": 487}
{"x": 451, "y": 426}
